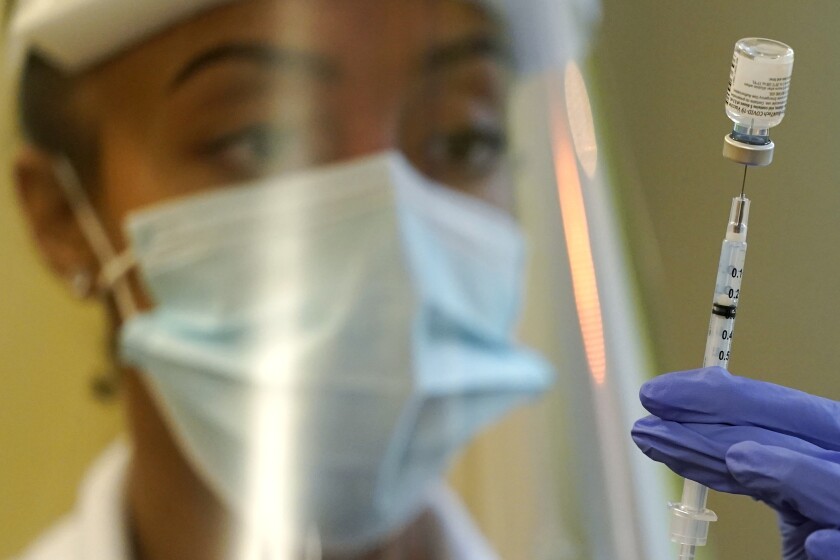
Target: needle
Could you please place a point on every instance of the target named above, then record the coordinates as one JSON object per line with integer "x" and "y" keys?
{"x": 744, "y": 181}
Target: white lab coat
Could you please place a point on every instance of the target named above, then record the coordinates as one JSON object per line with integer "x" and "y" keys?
{"x": 97, "y": 528}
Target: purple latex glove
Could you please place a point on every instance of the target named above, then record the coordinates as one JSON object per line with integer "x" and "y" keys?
{"x": 741, "y": 436}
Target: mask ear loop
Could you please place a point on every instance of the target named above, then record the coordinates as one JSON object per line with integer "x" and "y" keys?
{"x": 114, "y": 268}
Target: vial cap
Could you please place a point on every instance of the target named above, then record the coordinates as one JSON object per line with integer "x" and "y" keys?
{"x": 748, "y": 154}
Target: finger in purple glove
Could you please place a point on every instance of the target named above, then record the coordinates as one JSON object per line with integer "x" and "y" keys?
{"x": 788, "y": 480}
{"x": 714, "y": 396}
{"x": 698, "y": 451}
{"x": 687, "y": 453}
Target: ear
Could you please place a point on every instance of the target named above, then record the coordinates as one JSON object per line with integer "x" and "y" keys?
{"x": 51, "y": 219}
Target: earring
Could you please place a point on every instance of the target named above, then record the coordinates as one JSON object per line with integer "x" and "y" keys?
{"x": 106, "y": 385}
{"x": 81, "y": 282}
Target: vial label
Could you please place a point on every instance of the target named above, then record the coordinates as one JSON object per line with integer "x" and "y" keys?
{"x": 757, "y": 89}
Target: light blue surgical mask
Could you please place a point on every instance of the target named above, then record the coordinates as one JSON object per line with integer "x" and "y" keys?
{"x": 322, "y": 344}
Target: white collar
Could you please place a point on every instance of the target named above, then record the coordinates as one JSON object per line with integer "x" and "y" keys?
{"x": 101, "y": 510}
{"x": 103, "y": 523}
{"x": 462, "y": 538}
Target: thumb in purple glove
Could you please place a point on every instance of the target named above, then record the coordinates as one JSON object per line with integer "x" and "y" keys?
{"x": 823, "y": 545}
{"x": 804, "y": 489}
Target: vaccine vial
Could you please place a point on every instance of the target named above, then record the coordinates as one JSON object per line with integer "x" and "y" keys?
{"x": 759, "y": 81}
{"x": 756, "y": 99}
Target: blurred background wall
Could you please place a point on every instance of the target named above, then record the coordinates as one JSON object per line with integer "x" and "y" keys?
{"x": 51, "y": 348}
{"x": 661, "y": 69}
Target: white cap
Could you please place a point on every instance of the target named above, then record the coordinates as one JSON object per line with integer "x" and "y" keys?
{"x": 75, "y": 34}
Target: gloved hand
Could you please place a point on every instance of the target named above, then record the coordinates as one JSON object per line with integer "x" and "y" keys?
{"x": 737, "y": 435}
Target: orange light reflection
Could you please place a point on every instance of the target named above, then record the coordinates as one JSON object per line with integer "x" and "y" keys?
{"x": 579, "y": 247}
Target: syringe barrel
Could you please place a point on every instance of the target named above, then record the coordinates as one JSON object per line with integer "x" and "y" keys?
{"x": 689, "y": 517}
{"x": 694, "y": 495}
{"x": 728, "y": 285}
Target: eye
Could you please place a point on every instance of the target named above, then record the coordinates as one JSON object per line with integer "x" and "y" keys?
{"x": 466, "y": 155}
{"x": 256, "y": 151}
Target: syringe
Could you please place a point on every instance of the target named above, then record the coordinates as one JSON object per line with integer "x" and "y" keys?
{"x": 689, "y": 517}
{"x": 756, "y": 100}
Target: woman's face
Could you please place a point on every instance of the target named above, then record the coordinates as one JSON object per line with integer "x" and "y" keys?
{"x": 261, "y": 87}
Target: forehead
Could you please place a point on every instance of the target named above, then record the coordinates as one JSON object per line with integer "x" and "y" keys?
{"x": 357, "y": 30}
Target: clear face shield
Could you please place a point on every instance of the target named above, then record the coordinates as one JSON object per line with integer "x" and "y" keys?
{"x": 346, "y": 238}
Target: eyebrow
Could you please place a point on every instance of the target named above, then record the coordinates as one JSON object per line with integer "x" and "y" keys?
{"x": 266, "y": 55}
{"x": 476, "y": 46}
